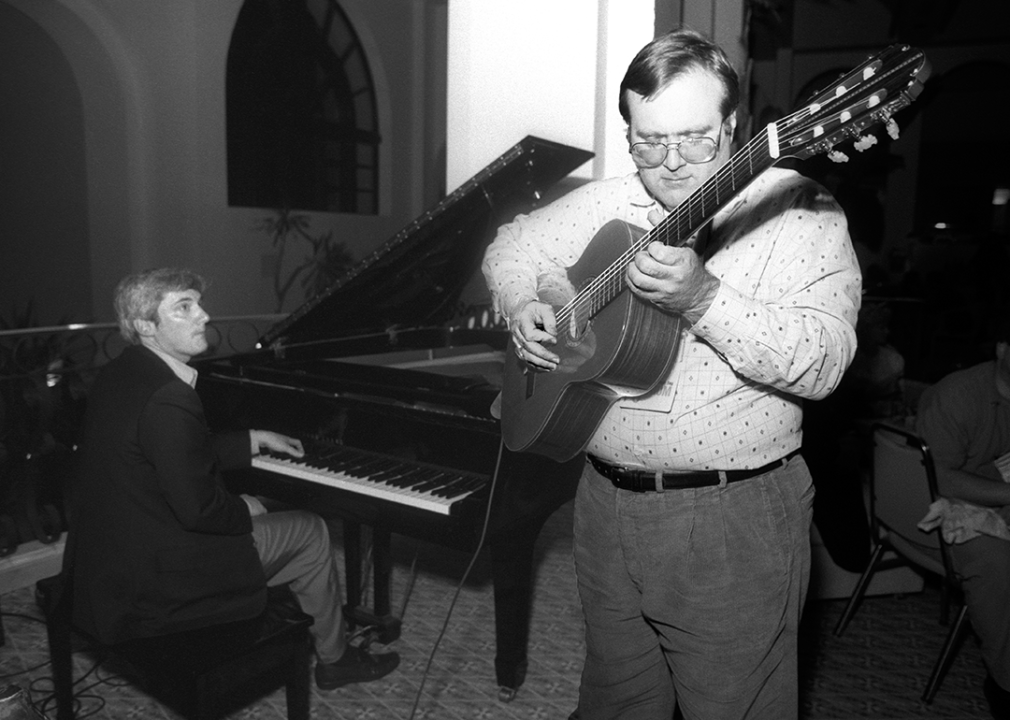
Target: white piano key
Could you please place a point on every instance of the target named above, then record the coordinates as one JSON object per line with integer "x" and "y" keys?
{"x": 292, "y": 467}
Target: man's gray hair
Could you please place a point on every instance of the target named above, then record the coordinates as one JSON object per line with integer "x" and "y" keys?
{"x": 139, "y": 295}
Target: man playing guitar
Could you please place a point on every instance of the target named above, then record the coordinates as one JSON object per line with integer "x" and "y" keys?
{"x": 693, "y": 512}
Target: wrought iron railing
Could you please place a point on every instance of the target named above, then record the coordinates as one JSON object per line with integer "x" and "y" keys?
{"x": 83, "y": 347}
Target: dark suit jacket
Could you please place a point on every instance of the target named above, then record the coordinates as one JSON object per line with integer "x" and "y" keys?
{"x": 155, "y": 542}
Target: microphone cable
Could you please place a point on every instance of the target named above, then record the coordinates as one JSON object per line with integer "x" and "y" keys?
{"x": 466, "y": 574}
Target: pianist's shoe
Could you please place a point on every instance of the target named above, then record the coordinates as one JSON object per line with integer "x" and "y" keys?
{"x": 354, "y": 666}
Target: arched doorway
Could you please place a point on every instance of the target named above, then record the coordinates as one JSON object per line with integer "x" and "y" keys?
{"x": 45, "y": 265}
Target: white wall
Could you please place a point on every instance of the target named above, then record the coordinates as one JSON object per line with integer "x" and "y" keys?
{"x": 549, "y": 68}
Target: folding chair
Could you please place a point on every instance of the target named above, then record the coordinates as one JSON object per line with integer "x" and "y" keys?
{"x": 902, "y": 486}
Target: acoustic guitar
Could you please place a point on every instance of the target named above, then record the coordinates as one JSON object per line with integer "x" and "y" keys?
{"x": 613, "y": 345}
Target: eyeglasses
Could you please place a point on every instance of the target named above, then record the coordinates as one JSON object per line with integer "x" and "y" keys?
{"x": 694, "y": 150}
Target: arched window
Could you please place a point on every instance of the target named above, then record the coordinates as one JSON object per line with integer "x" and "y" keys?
{"x": 301, "y": 112}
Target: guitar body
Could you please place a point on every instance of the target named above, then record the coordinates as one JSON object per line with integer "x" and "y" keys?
{"x": 624, "y": 350}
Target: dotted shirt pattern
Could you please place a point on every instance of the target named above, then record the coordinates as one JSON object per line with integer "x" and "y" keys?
{"x": 781, "y": 328}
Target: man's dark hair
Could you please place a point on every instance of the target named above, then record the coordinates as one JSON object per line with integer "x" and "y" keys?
{"x": 673, "y": 55}
{"x": 139, "y": 295}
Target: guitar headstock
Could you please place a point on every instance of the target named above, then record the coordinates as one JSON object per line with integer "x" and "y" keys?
{"x": 867, "y": 95}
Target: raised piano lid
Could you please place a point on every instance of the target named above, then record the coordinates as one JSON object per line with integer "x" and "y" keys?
{"x": 417, "y": 279}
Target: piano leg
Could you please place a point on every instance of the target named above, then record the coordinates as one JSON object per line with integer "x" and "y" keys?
{"x": 533, "y": 489}
{"x": 512, "y": 575}
{"x": 381, "y": 617}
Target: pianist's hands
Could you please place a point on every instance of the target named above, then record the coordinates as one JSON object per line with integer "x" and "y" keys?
{"x": 275, "y": 442}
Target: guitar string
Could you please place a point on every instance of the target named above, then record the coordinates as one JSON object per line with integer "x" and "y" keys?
{"x": 610, "y": 282}
{"x": 612, "y": 277}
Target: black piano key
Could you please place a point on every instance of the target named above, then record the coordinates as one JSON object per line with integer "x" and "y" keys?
{"x": 443, "y": 479}
{"x": 413, "y": 478}
{"x": 456, "y": 490}
{"x": 385, "y": 476}
{"x": 346, "y": 462}
{"x": 404, "y": 477}
{"x": 326, "y": 460}
{"x": 371, "y": 467}
{"x": 450, "y": 487}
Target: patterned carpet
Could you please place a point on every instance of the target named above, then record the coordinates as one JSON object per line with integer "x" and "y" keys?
{"x": 877, "y": 670}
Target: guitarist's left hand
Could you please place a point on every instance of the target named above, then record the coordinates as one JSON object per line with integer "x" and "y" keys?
{"x": 674, "y": 279}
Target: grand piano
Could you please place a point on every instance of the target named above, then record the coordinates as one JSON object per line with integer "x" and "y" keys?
{"x": 388, "y": 377}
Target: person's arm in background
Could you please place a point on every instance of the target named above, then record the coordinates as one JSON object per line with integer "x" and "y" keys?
{"x": 946, "y": 428}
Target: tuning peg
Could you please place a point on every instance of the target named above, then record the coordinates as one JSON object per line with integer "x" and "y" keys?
{"x": 837, "y": 156}
{"x": 865, "y": 143}
{"x": 892, "y": 128}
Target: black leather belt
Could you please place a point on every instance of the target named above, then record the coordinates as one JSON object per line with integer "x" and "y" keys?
{"x": 646, "y": 481}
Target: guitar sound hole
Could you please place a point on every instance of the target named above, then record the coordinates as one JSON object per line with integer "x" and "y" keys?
{"x": 579, "y": 325}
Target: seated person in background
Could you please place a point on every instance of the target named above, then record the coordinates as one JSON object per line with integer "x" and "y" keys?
{"x": 839, "y": 509}
{"x": 965, "y": 419}
{"x": 834, "y": 432}
{"x": 877, "y": 368}
{"x": 156, "y": 544}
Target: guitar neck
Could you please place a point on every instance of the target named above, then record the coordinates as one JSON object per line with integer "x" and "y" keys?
{"x": 702, "y": 205}
{"x": 688, "y": 218}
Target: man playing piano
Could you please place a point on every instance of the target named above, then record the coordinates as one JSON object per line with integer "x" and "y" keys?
{"x": 156, "y": 544}
{"x": 692, "y": 516}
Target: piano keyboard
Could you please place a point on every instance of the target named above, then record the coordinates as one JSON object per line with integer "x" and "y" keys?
{"x": 379, "y": 476}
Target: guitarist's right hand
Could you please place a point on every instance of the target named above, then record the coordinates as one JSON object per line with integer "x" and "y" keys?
{"x": 533, "y": 326}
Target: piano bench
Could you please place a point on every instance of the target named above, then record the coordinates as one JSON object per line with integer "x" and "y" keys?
{"x": 203, "y": 674}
